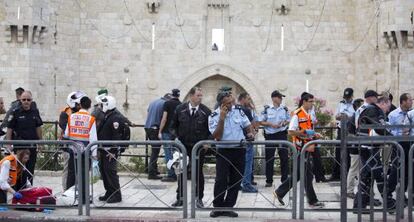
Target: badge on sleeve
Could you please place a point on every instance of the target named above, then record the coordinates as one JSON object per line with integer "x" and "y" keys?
{"x": 116, "y": 125}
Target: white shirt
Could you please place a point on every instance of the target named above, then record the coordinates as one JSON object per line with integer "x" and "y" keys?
{"x": 190, "y": 107}
{"x": 4, "y": 176}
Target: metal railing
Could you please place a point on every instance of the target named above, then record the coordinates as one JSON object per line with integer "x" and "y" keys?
{"x": 32, "y": 144}
{"x": 173, "y": 144}
{"x": 343, "y": 210}
{"x": 196, "y": 157}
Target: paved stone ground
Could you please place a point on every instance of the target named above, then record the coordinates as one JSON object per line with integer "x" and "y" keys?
{"x": 136, "y": 194}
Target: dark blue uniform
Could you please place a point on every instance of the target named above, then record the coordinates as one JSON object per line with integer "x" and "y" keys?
{"x": 24, "y": 124}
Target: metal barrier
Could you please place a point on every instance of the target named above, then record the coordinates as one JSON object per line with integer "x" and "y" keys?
{"x": 410, "y": 183}
{"x": 343, "y": 209}
{"x": 175, "y": 145}
{"x": 196, "y": 157}
{"x": 32, "y": 144}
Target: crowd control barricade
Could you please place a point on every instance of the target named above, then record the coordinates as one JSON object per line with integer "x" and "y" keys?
{"x": 359, "y": 143}
{"x": 57, "y": 145}
{"x": 195, "y": 157}
{"x": 410, "y": 183}
{"x": 136, "y": 144}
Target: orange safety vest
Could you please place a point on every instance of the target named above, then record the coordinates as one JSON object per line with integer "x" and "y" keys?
{"x": 13, "y": 169}
{"x": 79, "y": 126}
{"x": 68, "y": 112}
{"x": 305, "y": 123}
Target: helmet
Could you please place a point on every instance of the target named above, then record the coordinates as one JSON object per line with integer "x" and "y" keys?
{"x": 99, "y": 98}
{"x": 74, "y": 97}
{"x": 79, "y": 95}
{"x": 70, "y": 100}
{"x": 108, "y": 103}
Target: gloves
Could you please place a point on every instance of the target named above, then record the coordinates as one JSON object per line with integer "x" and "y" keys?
{"x": 17, "y": 195}
{"x": 310, "y": 132}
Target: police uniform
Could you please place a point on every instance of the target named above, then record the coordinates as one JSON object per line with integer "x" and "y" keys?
{"x": 230, "y": 158}
{"x": 275, "y": 115}
{"x": 347, "y": 108}
{"x": 111, "y": 128}
{"x": 190, "y": 125}
{"x": 370, "y": 159}
{"x": 24, "y": 124}
{"x": 400, "y": 117}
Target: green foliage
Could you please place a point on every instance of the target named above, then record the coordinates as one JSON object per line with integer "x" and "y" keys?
{"x": 138, "y": 164}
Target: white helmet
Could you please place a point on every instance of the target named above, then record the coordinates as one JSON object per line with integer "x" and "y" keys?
{"x": 70, "y": 100}
{"x": 74, "y": 97}
{"x": 108, "y": 103}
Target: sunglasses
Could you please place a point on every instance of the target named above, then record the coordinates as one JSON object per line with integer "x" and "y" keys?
{"x": 28, "y": 100}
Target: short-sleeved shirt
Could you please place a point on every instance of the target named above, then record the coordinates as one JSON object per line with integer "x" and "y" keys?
{"x": 346, "y": 108}
{"x": 236, "y": 120}
{"x": 24, "y": 124}
{"x": 275, "y": 115}
{"x": 170, "y": 107}
{"x": 155, "y": 113}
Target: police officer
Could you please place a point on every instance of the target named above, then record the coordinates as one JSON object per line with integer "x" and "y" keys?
{"x": 227, "y": 123}
{"x": 275, "y": 118}
{"x": 373, "y": 114}
{"x": 401, "y": 116}
{"x": 112, "y": 128}
{"x": 24, "y": 123}
{"x": 190, "y": 125}
{"x": 345, "y": 107}
{"x": 301, "y": 130}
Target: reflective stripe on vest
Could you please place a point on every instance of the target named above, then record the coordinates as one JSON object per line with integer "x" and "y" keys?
{"x": 305, "y": 123}
{"x": 79, "y": 126}
{"x": 13, "y": 169}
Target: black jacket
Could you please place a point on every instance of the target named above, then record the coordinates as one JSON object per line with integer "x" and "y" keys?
{"x": 373, "y": 115}
{"x": 112, "y": 128}
{"x": 188, "y": 129}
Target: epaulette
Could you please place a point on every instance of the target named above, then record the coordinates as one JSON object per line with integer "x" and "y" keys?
{"x": 265, "y": 107}
{"x": 286, "y": 109}
{"x": 238, "y": 107}
{"x": 213, "y": 114}
{"x": 343, "y": 101}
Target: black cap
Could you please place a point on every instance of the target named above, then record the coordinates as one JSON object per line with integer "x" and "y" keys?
{"x": 348, "y": 93}
{"x": 370, "y": 93}
{"x": 276, "y": 93}
{"x": 175, "y": 93}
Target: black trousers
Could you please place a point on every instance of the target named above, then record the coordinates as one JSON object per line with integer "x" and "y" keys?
{"x": 395, "y": 165}
{"x": 109, "y": 174}
{"x": 284, "y": 188}
{"x": 372, "y": 170}
{"x": 152, "y": 134}
{"x": 229, "y": 174}
{"x": 318, "y": 169}
{"x": 336, "y": 170}
{"x": 31, "y": 163}
{"x": 199, "y": 175}
{"x": 283, "y": 153}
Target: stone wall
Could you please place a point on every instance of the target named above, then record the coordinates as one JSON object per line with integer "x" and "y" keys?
{"x": 91, "y": 44}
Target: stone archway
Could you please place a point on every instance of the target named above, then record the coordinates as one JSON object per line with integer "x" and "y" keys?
{"x": 217, "y": 75}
